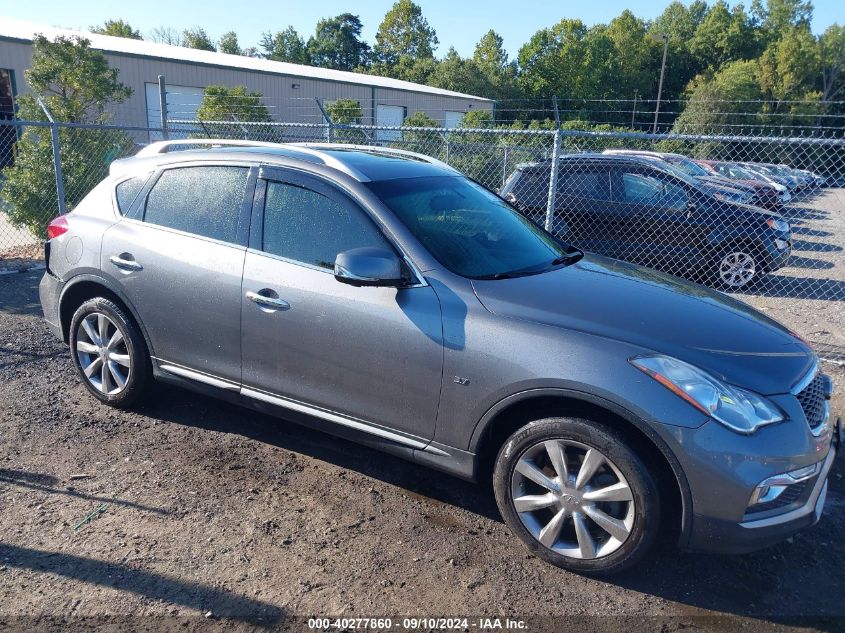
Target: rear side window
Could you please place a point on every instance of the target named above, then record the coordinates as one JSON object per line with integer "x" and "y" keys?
{"x": 585, "y": 183}
{"x": 126, "y": 192}
{"x": 308, "y": 227}
{"x": 206, "y": 201}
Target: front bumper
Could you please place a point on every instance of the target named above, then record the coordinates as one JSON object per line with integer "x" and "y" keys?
{"x": 716, "y": 535}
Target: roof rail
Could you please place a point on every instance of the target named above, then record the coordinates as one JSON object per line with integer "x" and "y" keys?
{"x": 376, "y": 149}
{"x": 162, "y": 147}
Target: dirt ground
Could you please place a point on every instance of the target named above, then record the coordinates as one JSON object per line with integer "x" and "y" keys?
{"x": 212, "y": 510}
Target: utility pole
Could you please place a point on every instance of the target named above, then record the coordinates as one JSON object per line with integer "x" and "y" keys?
{"x": 665, "y": 38}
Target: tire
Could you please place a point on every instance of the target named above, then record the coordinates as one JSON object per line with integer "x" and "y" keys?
{"x": 123, "y": 358}
{"x": 568, "y": 516}
{"x": 736, "y": 268}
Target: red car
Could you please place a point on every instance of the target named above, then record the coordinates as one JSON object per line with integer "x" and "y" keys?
{"x": 765, "y": 195}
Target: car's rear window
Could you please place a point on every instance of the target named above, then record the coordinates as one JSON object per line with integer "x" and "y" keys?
{"x": 125, "y": 192}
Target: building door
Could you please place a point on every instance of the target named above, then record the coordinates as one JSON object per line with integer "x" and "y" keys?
{"x": 7, "y": 113}
{"x": 389, "y": 115}
{"x": 452, "y": 119}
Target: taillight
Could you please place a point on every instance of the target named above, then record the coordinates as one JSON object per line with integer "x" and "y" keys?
{"x": 58, "y": 226}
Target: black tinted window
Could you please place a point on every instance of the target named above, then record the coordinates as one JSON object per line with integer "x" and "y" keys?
{"x": 202, "y": 200}
{"x": 643, "y": 190}
{"x": 308, "y": 227}
{"x": 127, "y": 191}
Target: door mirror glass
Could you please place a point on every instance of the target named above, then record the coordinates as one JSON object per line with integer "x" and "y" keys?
{"x": 369, "y": 266}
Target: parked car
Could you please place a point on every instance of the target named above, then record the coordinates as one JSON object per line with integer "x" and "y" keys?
{"x": 778, "y": 175}
{"x": 381, "y": 296}
{"x": 633, "y": 208}
{"x": 767, "y": 195}
{"x": 715, "y": 184}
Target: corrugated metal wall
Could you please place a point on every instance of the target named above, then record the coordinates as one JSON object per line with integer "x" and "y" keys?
{"x": 286, "y": 102}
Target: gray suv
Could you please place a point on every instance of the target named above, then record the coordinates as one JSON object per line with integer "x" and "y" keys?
{"x": 381, "y": 296}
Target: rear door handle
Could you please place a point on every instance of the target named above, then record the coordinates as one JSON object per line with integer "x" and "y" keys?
{"x": 125, "y": 264}
{"x": 273, "y": 303}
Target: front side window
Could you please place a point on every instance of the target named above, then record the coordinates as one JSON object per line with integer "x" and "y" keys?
{"x": 645, "y": 190}
{"x": 205, "y": 201}
{"x": 468, "y": 229}
{"x": 308, "y": 227}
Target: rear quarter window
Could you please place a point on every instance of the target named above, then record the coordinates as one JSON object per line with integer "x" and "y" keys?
{"x": 126, "y": 191}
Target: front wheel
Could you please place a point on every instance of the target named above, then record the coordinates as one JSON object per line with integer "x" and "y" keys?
{"x": 737, "y": 268}
{"x": 577, "y": 495}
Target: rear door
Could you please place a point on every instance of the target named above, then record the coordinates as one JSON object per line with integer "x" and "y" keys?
{"x": 178, "y": 256}
{"x": 372, "y": 355}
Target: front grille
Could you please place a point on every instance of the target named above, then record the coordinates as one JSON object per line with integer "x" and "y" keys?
{"x": 789, "y": 496}
{"x": 812, "y": 400}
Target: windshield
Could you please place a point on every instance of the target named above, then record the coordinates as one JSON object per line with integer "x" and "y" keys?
{"x": 676, "y": 171}
{"x": 469, "y": 230}
{"x": 689, "y": 167}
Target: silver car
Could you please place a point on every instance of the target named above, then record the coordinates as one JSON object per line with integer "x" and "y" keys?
{"x": 381, "y": 296}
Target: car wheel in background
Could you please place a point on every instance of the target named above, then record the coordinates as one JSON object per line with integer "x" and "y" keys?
{"x": 736, "y": 268}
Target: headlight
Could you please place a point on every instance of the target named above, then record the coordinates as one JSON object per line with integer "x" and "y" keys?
{"x": 739, "y": 410}
{"x": 778, "y": 225}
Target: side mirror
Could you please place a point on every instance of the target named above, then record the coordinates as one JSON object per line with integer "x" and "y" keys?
{"x": 369, "y": 266}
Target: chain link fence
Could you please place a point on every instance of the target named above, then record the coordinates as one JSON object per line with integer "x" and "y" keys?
{"x": 760, "y": 217}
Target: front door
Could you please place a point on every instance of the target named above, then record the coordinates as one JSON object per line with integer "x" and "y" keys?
{"x": 374, "y": 354}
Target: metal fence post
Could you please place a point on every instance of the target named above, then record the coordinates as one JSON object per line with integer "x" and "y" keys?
{"x": 505, "y": 166}
{"x": 57, "y": 158}
{"x": 162, "y": 106}
{"x": 328, "y": 120}
{"x": 550, "y": 203}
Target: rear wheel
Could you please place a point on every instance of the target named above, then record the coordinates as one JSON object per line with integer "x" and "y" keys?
{"x": 109, "y": 353}
{"x": 577, "y": 495}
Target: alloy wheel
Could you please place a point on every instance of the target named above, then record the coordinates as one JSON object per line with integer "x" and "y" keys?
{"x": 737, "y": 269}
{"x": 103, "y": 354}
{"x": 572, "y": 499}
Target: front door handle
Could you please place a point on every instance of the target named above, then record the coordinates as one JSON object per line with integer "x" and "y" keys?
{"x": 274, "y": 303}
{"x": 125, "y": 264}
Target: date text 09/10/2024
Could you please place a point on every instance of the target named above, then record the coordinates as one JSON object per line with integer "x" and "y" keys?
{"x": 422, "y": 623}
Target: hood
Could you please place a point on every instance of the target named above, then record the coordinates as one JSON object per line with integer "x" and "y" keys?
{"x": 724, "y": 183}
{"x": 658, "y": 312}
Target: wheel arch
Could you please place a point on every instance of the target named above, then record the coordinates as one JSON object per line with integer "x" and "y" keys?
{"x": 516, "y": 410}
{"x": 87, "y": 286}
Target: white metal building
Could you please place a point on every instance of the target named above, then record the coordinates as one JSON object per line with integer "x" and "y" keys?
{"x": 288, "y": 89}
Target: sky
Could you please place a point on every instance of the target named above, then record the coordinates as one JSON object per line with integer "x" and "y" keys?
{"x": 459, "y": 23}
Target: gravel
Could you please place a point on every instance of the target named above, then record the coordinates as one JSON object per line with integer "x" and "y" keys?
{"x": 210, "y": 508}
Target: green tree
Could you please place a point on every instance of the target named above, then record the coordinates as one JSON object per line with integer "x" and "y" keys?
{"x": 346, "y": 112}
{"x": 721, "y": 103}
{"x": 790, "y": 66}
{"x": 229, "y": 44}
{"x": 723, "y": 35}
{"x": 454, "y": 72}
{"x": 197, "y": 38}
{"x": 491, "y": 60}
{"x": 555, "y": 61}
{"x": 404, "y": 32}
{"x": 117, "y": 28}
{"x": 337, "y": 43}
{"x": 423, "y": 141}
{"x": 77, "y": 85}
{"x": 220, "y": 103}
{"x": 832, "y": 62}
{"x": 285, "y": 46}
